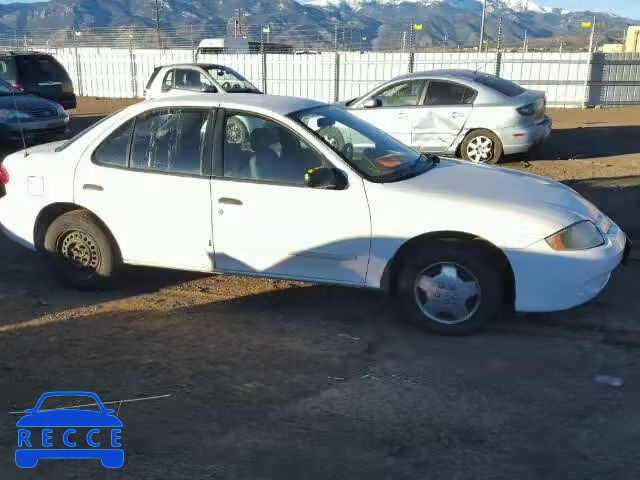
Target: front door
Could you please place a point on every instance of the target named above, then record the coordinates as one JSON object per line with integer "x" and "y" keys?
{"x": 392, "y": 109}
{"x": 149, "y": 183}
{"x": 442, "y": 115}
{"x": 267, "y": 221}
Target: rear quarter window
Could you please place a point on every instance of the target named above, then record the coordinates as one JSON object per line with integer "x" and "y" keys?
{"x": 43, "y": 67}
{"x": 8, "y": 70}
{"x": 505, "y": 87}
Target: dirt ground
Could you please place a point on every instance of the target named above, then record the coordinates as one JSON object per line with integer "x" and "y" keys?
{"x": 279, "y": 380}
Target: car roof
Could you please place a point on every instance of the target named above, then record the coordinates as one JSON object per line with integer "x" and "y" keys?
{"x": 25, "y": 53}
{"x": 452, "y": 73}
{"x": 275, "y": 103}
{"x": 183, "y": 65}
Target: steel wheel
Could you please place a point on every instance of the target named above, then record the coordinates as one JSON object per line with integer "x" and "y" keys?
{"x": 480, "y": 149}
{"x": 80, "y": 249}
{"x": 447, "y": 293}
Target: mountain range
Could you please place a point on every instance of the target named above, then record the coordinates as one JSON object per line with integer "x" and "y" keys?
{"x": 370, "y": 23}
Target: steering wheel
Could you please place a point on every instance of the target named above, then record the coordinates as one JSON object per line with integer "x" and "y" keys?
{"x": 226, "y": 86}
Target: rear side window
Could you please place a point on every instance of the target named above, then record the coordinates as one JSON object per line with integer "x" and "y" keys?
{"x": 501, "y": 85}
{"x": 170, "y": 140}
{"x": 448, "y": 93}
{"x": 113, "y": 151}
{"x": 8, "y": 70}
{"x": 153, "y": 77}
{"x": 43, "y": 68}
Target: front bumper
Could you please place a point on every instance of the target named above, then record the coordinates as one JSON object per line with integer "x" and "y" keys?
{"x": 548, "y": 280}
{"x": 35, "y": 130}
{"x": 513, "y": 140}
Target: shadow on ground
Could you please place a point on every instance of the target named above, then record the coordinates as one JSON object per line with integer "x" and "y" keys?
{"x": 589, "y": 142}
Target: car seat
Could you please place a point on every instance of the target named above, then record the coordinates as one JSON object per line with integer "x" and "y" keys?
{"x": 263, "y": 160}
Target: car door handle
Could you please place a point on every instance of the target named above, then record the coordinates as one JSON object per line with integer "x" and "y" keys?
{"x": 403, "y": 115}
{"x": 457, "y": 114}
{"x": 229, "y": 201}
{"x": 92, "y": 186}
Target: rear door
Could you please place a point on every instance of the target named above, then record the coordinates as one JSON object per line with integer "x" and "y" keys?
{"x": 396, "y": 108}
{"x": 149, "y": 182}
{"x": 442, "y": 115}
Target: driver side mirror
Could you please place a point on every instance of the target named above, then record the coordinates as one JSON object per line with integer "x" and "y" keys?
{"x": 209, "y": 89}
{"x": 326, "y": 178}
{"x": 165, "y": 88}
{"x": 372, "y": 103}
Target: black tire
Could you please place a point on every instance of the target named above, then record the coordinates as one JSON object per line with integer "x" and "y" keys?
{"x": 80, "y": 235}
{"x": 495, "y": 153}
{"x": 475, "y": 263}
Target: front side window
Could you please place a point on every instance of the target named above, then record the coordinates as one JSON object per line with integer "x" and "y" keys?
{"x": 259, "y": 149}
{"x": 186, "y": 79}
{"x": 448, "y": 93}
{"x": 230, "y": 80}
{"x": 405, "y": 94}
{"x": 376, "y": 155}
{"x": 113, "y": 151}
{"x": 170, "y": 140}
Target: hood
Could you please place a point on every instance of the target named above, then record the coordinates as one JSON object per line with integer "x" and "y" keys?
{"x": 25, "y": 102}
{"x": 500, "y": 186}
{"x": 507, "y": 207}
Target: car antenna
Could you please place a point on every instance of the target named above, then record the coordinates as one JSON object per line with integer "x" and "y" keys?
{"x": 15, "y": 106}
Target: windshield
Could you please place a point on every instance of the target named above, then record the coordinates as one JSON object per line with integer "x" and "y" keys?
{"x": 230, "y": 80}
{"x": 376, "y": 155}
{"x": 8, "y": 89}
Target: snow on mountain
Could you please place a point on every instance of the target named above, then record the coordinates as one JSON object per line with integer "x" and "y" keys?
{"x": 525, "y": 6}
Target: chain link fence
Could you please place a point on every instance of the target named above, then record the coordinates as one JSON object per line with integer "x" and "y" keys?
{"x": 321, "y": 64}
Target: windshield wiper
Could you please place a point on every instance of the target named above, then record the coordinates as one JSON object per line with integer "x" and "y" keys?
{"x": 415, "y": 169}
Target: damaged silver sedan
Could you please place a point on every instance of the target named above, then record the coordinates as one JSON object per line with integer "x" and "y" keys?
{"x": 473, "y": 115}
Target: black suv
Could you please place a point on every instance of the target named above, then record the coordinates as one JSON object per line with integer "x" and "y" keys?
{"x": 38, "y": 74}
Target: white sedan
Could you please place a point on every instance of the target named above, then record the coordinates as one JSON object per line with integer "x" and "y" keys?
{"x": 162, "y": 184}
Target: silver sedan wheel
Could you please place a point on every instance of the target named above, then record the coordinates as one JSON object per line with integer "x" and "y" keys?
{"x": 480, "y": 149}
{"x": 447, "y": 293}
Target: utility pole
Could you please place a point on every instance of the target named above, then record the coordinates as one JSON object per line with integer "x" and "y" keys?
{"x": 484, "y": 13}
{"x": 593, "y": 34}
{"x": 404, "y": 41}
{"x": 157, "y": 8}
{"x": 525, "y": 43}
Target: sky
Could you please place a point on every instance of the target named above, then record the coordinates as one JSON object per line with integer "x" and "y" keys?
{"x": 625, "y": 8}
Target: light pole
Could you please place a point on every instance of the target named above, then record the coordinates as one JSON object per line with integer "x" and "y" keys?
{"x": 484, "y": 12}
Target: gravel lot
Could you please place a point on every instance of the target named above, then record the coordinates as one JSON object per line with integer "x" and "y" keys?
{"x": 279, "y": 380}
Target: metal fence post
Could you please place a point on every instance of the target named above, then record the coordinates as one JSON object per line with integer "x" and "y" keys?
{"x": 263, "y": 61}
{"x": 336, "y": 65}
{"x": 499, "y": 49}
{"x": 193, "y": 44}
{"x": 412, "y": 52}
{"x": 133, "y": 69}
{"x": 76, "y": 34}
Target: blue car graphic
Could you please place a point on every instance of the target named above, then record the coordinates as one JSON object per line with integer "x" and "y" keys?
{"x": 32, "y": 448}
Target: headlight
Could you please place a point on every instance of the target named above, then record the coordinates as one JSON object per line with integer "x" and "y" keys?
{"x": 7, "y": 114}
{"x": 579, "y": 236}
